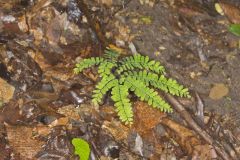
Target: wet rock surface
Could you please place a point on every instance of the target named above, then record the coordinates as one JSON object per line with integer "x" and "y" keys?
{"x": 43, "y": 105}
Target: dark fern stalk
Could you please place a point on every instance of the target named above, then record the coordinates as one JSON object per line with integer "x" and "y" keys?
{"x": 135, "y": 73}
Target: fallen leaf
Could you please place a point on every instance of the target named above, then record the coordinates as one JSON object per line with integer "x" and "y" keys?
{"x": 107, "y": 2}
{"x": 235, "y": 29}
{"x": 219, "y": 9}
{"x": 185, "y": 137}
{"x": 6, "y": 91}
{"x": 146, "y": 118}
{"x": 232, "y": 12}
{"x": 146, "y": 19}
{"x": 117, "y": 129}
{"x": 218, "y": 91}
{"x": 21, "y": 140}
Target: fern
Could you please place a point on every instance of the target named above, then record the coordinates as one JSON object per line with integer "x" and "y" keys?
{"x": 102, "y": 87}
{"x": 122, "y": 102}
{"x": 135, "y": 73}
{"x": 167, "y": 85}
{"x": 140, "y": 62}
{"x": 105, "y": 68}
{"x": 87, "y": 63}
{"x": 147, "y": 94}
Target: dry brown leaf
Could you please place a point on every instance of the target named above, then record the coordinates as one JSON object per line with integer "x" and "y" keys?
{"x": 204, "y": 152}
{"x": 232, "y": 12}
{"x": 185, "y": 137}
{"x": 69, "y": 111}
{"x": 146, "y": 117}
{"x": 6, "y": 91}
{"x": 117, "y": 129}
{"x": 38, "y": 57}
{"x": 22, "y": 141}
{"x": 107, "y": 2}
{"x": 218, "y": 91}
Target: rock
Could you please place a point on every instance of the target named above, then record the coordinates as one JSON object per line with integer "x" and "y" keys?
{"x": 58, "y": 145}
{"x": 218, "y": 91}
{"x": 6, "y": 91}
{"x": 25, "y": 72}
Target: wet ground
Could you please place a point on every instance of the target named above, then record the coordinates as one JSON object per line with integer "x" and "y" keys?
{"x": 44, "y": 105}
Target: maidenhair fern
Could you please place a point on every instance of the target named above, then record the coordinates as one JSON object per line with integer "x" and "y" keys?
{"x": 135, "y": 73}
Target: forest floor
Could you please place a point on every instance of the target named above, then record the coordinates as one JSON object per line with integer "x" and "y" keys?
{"x": 44, "y": 105}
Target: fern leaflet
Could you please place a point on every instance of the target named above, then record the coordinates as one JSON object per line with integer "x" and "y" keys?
{"x": 105, "y": 68}
{"x": 140, "y": 62}
{"x": 147, "y": 94}
{"x": 102, "y": 87}
{"x": 87, "y": 63}
{"x": 167, "y": 85}
{"x": 122, "y": 103}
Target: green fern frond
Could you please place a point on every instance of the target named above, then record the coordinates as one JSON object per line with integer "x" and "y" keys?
{"x": 140, "y": 62}
{"x": 122, "y": 103}
{"x": 147, "y": 94}
{"x": 111, "y": 55}
{"x": 136, "y": 73}
{"x": 102, "y": 87}
{"x": 167, "y": 85}
{"x": 105, "y": 68}
{"x": 173, "y": 87}
{"x": 87, "y": 63}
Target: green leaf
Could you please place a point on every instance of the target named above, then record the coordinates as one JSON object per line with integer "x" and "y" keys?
{"x": 235, "y": 29}
{"x": 147, "y": 94}
{"x": 87, "y": 63}
{"x": 102, "y": 87}
{"x": 135, "y": 73}
{"x": 105, "y": 68}
{"x": 140, "y": 62}
{"x": 111, "y": 55}
{"x": 167, "y": 85}
{"x": 82, "y": 148}
{"x": 122, "y": 103}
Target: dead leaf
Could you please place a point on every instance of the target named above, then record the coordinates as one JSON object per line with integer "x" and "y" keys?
{"x": 232, "y": 12}
{"x": 117, "y": 129}
{"x": 107, "y": 2}
{"x": 22, "y": 141}
{"x": 146, "y": 117}
{"x": 204, "y": 152}
{"x": 185, "y": 137}
{"x": 6, "y": 91}
{"x": 70, "y": 111}
{"x": 218, "y": 91}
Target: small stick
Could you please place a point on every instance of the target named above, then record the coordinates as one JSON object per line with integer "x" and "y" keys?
{"x": 187, "y": 117}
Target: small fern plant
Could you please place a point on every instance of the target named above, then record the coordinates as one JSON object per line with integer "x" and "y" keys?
{"x": 135, "y": 73}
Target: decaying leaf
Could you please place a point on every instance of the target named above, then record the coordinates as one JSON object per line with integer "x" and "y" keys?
{"x": 6, "y": 91}
{"x": 231, "y": 11}
{"x": 218, "y": 91}
{"x": 146, "y": 117}
{"x": 185, "y": 137}
{"x": 107, "y": 2}
{"x": 22, "y": 141}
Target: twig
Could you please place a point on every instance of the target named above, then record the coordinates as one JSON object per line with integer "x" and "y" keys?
{"x": 187, "y": 117}
{"x": 93, "y": 23}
